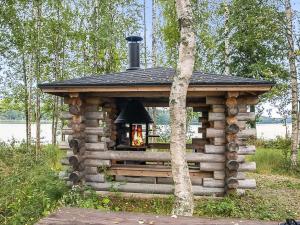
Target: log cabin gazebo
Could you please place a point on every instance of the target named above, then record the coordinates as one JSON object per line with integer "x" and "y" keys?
{"x": 109, "y": 130}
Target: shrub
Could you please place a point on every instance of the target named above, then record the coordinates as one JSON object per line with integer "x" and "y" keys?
{"x": 273, "y": 156}
{"x": 29, "y": 187}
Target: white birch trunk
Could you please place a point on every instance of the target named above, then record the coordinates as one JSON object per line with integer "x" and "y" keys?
{"x": 154, "y": 57}
{"x": 294, "y": 88}
{"x": 38, "y": 77}
{"x": 184, "y": 204}
{"x": 226, "y": 40}
{"x": 145, "y": 36}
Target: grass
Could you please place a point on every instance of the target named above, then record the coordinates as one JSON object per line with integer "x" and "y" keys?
{"x": 30, "y": 189}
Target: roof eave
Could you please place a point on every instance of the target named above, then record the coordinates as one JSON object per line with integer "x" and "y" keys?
{"x": 263, "y": 87}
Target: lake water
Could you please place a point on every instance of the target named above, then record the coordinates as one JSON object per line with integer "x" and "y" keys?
{"x": 9, "y": 131}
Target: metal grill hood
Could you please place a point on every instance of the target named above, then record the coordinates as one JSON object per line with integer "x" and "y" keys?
{"x": 134, "y": 112}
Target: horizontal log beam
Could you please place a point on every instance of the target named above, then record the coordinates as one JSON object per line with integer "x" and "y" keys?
{"x": 250, "y": 132}
{"x": 211, "y": 182}
{"x": 152, "y": 188}
{"x": 242, "y": 100}
{"x": 247, "y": 184}
{"x": 93, "y": 115}
{"x": 247, "y": 150}
{"x": 204, "y": 166}
{"x": 151, "y": 171}
{"x": 169, "y": 180}
{"x": 220, "y": 175}
{"x": 247, "y": 166}
{"x": 152, "y": 156}
{"x": 99, "y": 146}
{"x": 88, "y": 130}
{"x": 213, "y": 133}
{"x": 247, "y": 116}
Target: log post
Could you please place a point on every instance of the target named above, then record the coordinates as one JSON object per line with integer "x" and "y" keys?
{"x": 232, "y": 147}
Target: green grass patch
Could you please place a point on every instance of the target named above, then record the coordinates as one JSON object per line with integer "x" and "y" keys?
{"x": 273, "y": 157}
{"x": 30, "y": 189}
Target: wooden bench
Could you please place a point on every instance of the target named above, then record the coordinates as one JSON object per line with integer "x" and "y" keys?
{"x": 151, "y": 171}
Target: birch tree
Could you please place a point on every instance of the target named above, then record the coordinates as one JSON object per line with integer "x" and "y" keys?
{"x": 226, "y": 39}
{"x": 184, "y": 204}
{"x": 293, "y": 81}
{"x": 154, "y": 53}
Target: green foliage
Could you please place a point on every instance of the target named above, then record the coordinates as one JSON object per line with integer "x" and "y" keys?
{"x": 251, "y": 206}
{"x": 29, "y": 188}
{"x": 273, "y": 156}
{"x": 84, "y": 198}
{"x": 170, "y": 32}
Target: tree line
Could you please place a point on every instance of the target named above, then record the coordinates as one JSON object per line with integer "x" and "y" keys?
{"x": 53, "y": 40}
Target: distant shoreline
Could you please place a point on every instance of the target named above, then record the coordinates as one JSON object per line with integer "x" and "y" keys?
{"x": 49, "y": 122}
{"x": 21, "y": 122}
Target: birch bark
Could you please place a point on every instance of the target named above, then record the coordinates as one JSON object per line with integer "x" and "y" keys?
{"x": 184, "y": 203}
{"x": 293, "y": 80}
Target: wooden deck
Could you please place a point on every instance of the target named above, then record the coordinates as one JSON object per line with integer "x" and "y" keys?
{"x": 75, "y": 216}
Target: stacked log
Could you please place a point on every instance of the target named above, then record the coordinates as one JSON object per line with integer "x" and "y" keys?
{"x": 76, "y": 139}
{"x": 232, "y": 147}
{"x": 228, "y": 133}
{"x": 85, "y": 138}
{"x": 93, "y": 117}
{"x": 216, "y": 144}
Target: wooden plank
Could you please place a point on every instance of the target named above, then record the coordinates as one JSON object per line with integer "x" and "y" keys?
{"x": 80, "y": 216}
{"x": 143, "y": 172}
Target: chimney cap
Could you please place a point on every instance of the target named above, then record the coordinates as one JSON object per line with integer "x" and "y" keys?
{"x": 134, "y": 38}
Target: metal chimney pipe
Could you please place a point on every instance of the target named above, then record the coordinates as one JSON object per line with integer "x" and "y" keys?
{"x": 134, "y": 52}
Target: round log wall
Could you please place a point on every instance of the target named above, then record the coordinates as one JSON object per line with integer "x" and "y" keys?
{"x": 228, "y": 133}
{"x": 217, "y": 164}
{"x": 88, "y": 134}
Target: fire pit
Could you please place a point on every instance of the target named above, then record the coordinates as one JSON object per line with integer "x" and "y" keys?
{"x": 133, "y": 126}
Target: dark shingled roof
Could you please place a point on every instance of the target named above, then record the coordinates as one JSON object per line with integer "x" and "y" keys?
{"x": 153, "y": 76}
